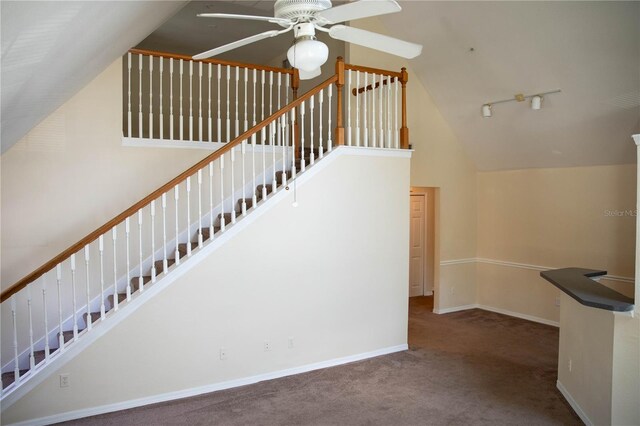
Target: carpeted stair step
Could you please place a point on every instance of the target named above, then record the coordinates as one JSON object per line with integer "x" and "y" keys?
{"x": 279, "y": 174}
{"x": 307, "y": 151}
{"x": 159, "y": 264}
{"x": 121, "y": 298}
{"x": 135, "y": 282}
{"x": 95, "y": 317}
{"x": 9, "y": 377}
{"x": 249, "y": 202}
{"x": 182, "y": 248}
{"x": 68, "y": 335}
{"x": 205, "y": 232}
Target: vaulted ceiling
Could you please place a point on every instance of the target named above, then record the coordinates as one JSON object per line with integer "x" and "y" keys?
{"x": 474, "y": 53}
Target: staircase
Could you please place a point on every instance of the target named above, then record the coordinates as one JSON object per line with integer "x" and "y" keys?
{"x": 90, "y": 272}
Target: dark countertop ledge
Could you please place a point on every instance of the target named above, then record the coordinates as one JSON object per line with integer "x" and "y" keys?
{"x": 577, "y": 283}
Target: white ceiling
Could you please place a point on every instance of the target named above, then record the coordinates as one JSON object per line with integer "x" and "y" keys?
{"x": 51, "y": 49}
{"x": 590, "y": 50}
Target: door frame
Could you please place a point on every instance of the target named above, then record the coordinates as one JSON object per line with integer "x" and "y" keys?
{"x": 432, "y": 252}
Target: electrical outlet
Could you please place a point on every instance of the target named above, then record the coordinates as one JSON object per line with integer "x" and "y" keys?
{"x": 558, "y": 301}
{"x": 570, "y": 365}
{"x": 267, "y": 346}
{"x": 291, "y": 343}
{"x": 223, "y": 353}
{"x": 64, "y": 381}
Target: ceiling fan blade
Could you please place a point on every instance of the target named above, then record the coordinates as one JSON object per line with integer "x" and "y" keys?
{"x": 376, "y": 41}
{"x": 236, "y": 44}
{"x": 308, "y": 75}
{"x": 248, "y": 17}
{"x": 357, "y": 10}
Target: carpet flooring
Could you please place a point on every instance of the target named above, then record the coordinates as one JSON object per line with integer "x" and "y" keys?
{"x": 465, "y": 368}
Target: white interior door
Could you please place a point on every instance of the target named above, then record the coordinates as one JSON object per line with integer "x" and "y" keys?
{"x": 417, "y": 246}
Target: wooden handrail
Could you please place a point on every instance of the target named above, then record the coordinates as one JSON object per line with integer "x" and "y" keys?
{"x": 158, "y": 192}
{"x": 373, "y": 70}
{"x": 211, "y": 61}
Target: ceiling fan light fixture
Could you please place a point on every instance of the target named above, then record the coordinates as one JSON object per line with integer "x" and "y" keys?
{"x": 308, "y": 54}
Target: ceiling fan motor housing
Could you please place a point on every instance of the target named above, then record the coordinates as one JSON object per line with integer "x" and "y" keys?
{"x": 299, "y": 10}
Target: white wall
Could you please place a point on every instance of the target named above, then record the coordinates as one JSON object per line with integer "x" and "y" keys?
{"x": 318, "y": 274}
{"x": 71, "y": 174}
{"x": 438, "y": 161}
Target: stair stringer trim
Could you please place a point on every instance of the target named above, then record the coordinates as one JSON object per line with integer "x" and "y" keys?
{"x": 198, "y": 255}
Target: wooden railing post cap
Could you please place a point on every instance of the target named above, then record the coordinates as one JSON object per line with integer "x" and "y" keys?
{"x": 404, "y": 75}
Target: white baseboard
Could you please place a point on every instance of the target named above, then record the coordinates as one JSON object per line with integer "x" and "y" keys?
{"x": 498, "y": 311}
{"x": 185, "y": 393}
{"x": 519, "y": 315}
{"x": 572, "y": 402}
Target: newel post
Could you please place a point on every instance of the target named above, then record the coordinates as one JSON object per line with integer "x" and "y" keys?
{"x": 339, "y": 139}
{"x": 404, "y": 130}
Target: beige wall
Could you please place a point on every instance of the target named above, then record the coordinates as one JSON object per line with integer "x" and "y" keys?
{"x": 71, "y": 174}
{"x": 554, "y": 218}
{"x": 332, "y": 285}
{"x": 438, "y": 161}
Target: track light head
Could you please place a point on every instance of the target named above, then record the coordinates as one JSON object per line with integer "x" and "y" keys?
{"x": 486, "y": 110}
{"x": 536, "y": 102}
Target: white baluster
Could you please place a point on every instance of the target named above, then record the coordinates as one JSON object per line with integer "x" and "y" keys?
{"x": 243, "y": 150}
{"x": 246, "y": 80}
{"x": 14, "y": 321}
{"x": 373, "y": 111}
{"x": 140, "y": 96}
{"x": 140, "y": 277}
{"x": 320, "y": 107}
{"x": 190, "y": 100}
{"x": 165, "y": 262}
{"x": 279, "y": 89}
{"x": 233, "y": 190}
{"x": 152, "y": 211}
{"x": 286, "y": 92}
{"x": 73, "y": 294}
{"x": 211, "y": 219}
{"x": 181, "y": 116}
{"x": 365, "y": 129}
{"x": 254, "y": 198}
{"x": 209, "y": 114}
{"x": 274, "y": 181}
{"x": 88, "y": 285}
{"x": 129, "y": 135}
{"x": 150, "y": 97}
{"x": 262, "y": 75}
{"x": 161, "y": 84}
{"x": 380, "y": 122}
{"x": 200, "y": 239}
{"x": 32, "y": 358}
{"x": 357, "y": 100}
{"x": 114, "y": 238}
{"x": 255, "y": 78}
{"x": 59, "y": 285}
{"x": 171, "y": 133}
{"x": 270, "y": 92}
{"x": 219, "y": 128}
{"x": 263, "y": 141}
{"x": 389, "y": 132}
{"x": 329, "y": 141}
{"x": 237, "y": 100}
{"x": 47, "y": 349}
{"x": 188, "y": 216}
{"x": 127, "y": 232}
{"x": 176, "y": 197}
{"x": 101, "y": 248}
{"x": 348, "y": 99}
{"x": 302, "y": 153}
{"x": 293, "y": 142}
{"x": 311, "y": 108}
{"x": 397, "y": 128}
{"x": 222, "y": 221}
{"x": 228, "y": 105}
{"x": 200, "y": 101}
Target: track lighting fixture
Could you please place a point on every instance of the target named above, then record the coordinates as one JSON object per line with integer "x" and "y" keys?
{"x": 536, "y": 102}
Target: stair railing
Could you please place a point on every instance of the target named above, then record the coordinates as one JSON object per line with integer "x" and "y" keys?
{"x": 66, "y": 297}
{"x": 173, "y": 97}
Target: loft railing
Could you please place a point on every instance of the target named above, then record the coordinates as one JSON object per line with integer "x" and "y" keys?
{"x": 177, "y": 98}
{"x": 58, "y": 303}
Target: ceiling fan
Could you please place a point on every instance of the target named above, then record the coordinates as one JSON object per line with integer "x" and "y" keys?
{"x": 304, "y": 17}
